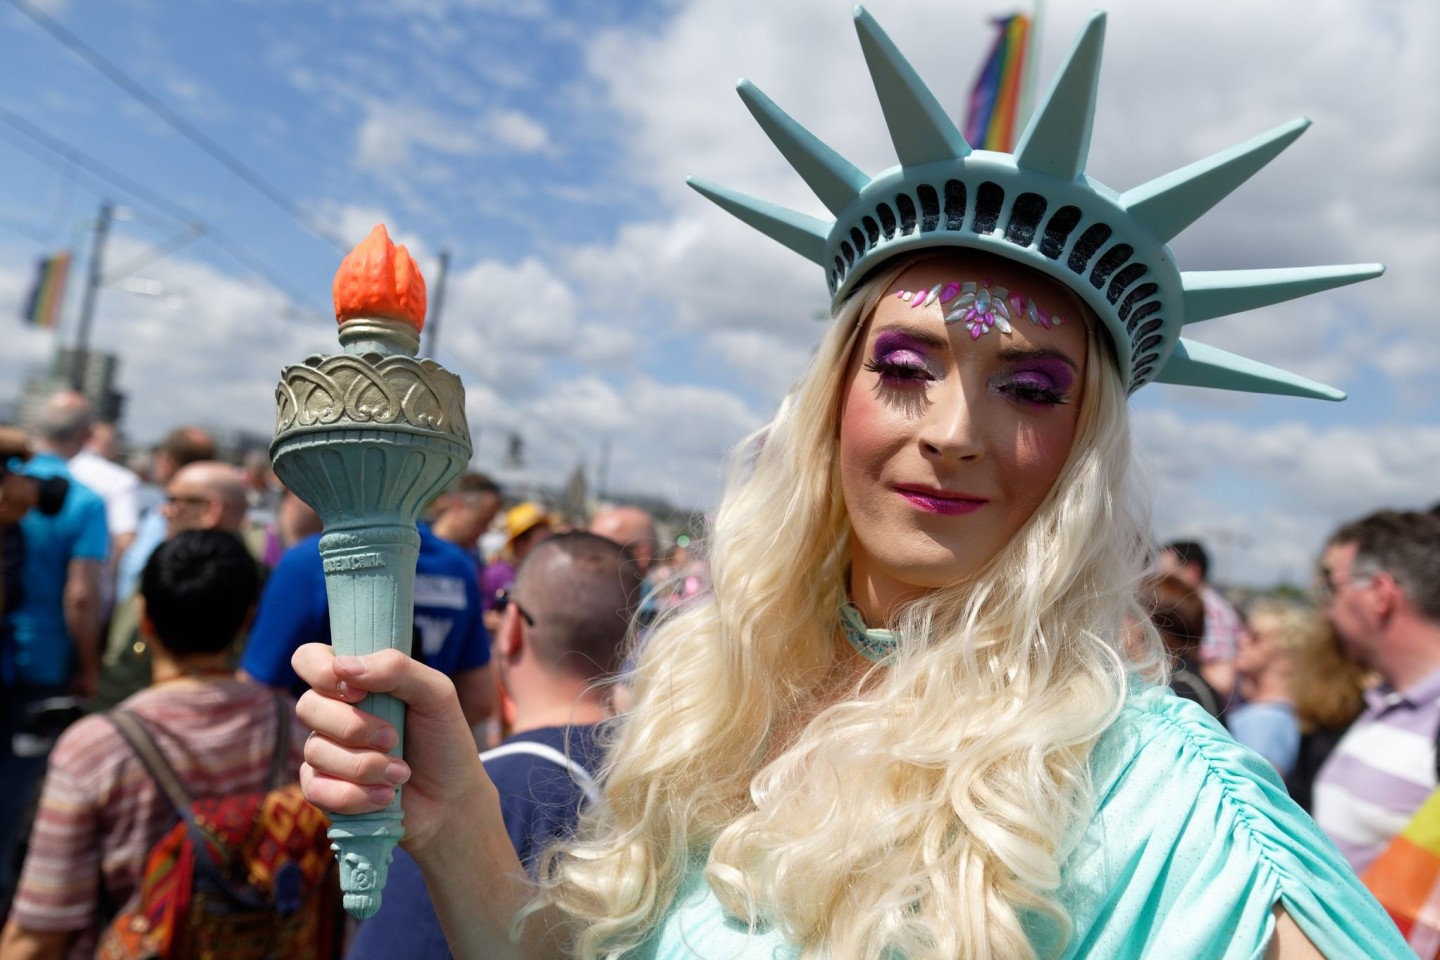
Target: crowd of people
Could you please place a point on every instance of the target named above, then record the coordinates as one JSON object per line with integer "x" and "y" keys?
{"x": 86, "y": 630}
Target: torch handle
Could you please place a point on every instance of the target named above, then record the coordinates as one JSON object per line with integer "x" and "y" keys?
{"x": 370, "y": 582}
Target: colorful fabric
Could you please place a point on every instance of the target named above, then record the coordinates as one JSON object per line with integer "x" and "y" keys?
{"x": 246, "y": 876}
{"x": 1405, "y": 878}
{"x": 1381, "y": 771}
{"x": 1193, "y": 842}
{"x": 995, "y": 98}
{"x": 42, "y": 309}
{"x": 1224, "y": 628}
{"x": 100, "y": 811}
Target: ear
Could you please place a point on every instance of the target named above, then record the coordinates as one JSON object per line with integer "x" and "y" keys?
{"x": 147, "y": 626}
{"x": 511, "y": 634}
{"x": 1386, "y": 597}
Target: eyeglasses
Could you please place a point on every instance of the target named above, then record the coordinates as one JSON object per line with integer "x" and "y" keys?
{"x": 181, "y": 498}
{"x": 505, "y": 597}
{"x": 1326, "y": 587}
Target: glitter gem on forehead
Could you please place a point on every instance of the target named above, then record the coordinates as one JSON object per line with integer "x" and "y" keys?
{"x": 981, "y": 306}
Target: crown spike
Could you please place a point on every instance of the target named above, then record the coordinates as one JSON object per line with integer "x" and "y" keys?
{"x": 835, "y": 180}
{"x": 800, "y": 232}
{"x": 919, "y": 127}
{"x": 1201, "y": 365}
{"x": 1169, "y": 204}
{"x": 1219, "y": 293}
{"x": 1057, "y": 138}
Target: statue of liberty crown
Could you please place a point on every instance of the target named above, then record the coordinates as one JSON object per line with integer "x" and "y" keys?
{"x": 1037, "y": 207}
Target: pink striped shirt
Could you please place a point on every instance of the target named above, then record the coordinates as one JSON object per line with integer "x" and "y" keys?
{"x": 100, "y": 812}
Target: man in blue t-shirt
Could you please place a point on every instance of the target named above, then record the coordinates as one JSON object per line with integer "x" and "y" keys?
{"x": 50, "y": 639}
{"x": 449, "y": 633}
{"x": 561, "y": 635}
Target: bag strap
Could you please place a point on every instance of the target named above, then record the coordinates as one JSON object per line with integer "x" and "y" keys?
{"x": 133, "y": 731}
{"x": 280, "y": 761}
{"x": 578, "y": 773}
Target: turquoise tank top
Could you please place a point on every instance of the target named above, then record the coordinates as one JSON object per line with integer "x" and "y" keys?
{"x": 1193, "y": 842}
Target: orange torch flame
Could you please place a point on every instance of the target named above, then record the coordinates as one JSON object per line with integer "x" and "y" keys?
{"x": 380, "y": 280}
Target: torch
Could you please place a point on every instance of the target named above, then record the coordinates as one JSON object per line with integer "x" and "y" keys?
{"x": 368, "y": 437}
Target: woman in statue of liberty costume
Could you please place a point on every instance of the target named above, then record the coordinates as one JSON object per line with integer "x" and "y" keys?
{"x": 921, "y": 714}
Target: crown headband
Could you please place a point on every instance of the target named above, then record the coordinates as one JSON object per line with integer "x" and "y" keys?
{"x": 1038, "y": 208}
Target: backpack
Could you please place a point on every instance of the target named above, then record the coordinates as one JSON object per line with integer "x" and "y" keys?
{"x": 245, "y": 876}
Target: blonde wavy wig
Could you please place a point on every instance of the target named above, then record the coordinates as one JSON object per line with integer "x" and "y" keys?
{"x": 924, "y": 809}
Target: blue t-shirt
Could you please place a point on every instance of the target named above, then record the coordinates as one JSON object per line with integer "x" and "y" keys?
{"x": 1270, "y": 729}
{"x": 539, "y": 799}
{"x": 40, "y": 651}
{"x": 294, "y": 610}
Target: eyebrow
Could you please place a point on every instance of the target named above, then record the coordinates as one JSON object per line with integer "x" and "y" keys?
{"x": 1011, "y": 354}
{"x": 923, "y": 337}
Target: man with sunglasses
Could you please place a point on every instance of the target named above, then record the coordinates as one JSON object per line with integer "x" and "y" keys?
{"x": 562, "y": 629}
{"x": 1379, "y": 585}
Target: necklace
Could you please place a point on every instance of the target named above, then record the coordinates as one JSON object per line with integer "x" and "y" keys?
{"x": 872, "y": 643}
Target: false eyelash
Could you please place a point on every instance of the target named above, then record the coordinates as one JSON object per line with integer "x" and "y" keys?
{"x": 903, "y": 372}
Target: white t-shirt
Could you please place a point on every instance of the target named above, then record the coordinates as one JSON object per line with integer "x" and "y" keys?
{"x": 117, "y": 486}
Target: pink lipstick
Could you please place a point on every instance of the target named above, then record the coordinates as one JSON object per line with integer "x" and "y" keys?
{"x": 940, "y": 501}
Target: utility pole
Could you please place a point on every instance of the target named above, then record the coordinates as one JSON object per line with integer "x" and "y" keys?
{"x": 81, "y": 352}
{"x": 437, "y": 305}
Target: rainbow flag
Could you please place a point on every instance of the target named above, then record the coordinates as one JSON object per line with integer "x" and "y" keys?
{"x": 1405, "y": 878}
{"x": 43, "y": 307}
{"x": 995, "y": 98}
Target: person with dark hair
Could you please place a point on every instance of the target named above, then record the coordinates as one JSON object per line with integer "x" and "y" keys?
{"x": 561, "y": 638}
{"x": 1179, "y": 615}
{"x": 1379, "y": 581}
{"x": 100, "y": 812}
{"x": 1224, "y": 627}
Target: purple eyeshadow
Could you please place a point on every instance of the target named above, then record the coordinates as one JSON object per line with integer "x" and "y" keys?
{"x": 1044, "y": 373}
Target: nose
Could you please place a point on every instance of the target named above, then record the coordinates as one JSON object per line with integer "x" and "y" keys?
{"x": 950, "y": 430}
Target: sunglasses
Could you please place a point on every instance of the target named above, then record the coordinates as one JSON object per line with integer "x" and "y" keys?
{"x": 505, "y": 597}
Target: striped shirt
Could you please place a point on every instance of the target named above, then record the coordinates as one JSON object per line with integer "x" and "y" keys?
{"x": 100, "y": 812}
{"x": 1381, "y": 771}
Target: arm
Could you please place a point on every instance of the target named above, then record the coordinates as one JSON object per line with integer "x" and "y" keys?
{"x": 1289, "y": 941}
{"x": 453, "y": 824}
{"x": 82, "y": 620}
{"x": 17, "y": 943}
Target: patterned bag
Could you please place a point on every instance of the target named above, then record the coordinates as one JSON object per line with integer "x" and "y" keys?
{"x": 242, "y": 877}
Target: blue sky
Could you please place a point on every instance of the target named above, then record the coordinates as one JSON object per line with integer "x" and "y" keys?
{"x": 593, "y": 298}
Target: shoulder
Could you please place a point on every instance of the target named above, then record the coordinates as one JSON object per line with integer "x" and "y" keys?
{"x": 442, "y": 556}
{"x": 543, "y": 758}
{"x": 1196, "y": 834}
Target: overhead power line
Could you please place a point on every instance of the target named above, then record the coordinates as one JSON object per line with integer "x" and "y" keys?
{"x": 182, "y": 126}
{"x": 102, "y": 171}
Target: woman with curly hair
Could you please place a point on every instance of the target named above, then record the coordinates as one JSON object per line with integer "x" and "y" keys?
{"x": 906, "y": 720}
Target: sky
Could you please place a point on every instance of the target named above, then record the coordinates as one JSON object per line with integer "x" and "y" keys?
{"x": 615, "y": 320}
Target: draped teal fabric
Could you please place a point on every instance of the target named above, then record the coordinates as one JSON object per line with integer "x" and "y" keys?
{"x": 1193, "y": 842}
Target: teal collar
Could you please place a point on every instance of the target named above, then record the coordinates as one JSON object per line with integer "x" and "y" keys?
{"x": 873, "y": 644}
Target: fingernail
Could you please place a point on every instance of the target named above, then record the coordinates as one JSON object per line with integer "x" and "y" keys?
{"x": 351, "y": 665}
{"x": 381, "y": 795}
{"x": 386, "y": 738}
{"x": 396, "y": 772}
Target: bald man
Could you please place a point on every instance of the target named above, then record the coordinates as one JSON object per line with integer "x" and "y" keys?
{"x": 207, "y": 495}
{"x": 630, "y": 527}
